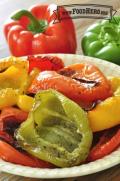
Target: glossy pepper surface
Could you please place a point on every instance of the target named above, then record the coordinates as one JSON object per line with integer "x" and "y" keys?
{"x": 56, "y": 130}
{"x": 108, "y": 142}
{"x": 106, "y": 114}
{"x": 34, "y": 32}
{"x": 83, "y": 83}
{"x": 102, "y": 40}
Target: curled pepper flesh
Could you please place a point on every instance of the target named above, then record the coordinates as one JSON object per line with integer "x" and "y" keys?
{"x": 56, "y": 130}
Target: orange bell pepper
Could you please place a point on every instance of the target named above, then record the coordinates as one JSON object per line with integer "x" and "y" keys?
{"x": 83, "y": 83}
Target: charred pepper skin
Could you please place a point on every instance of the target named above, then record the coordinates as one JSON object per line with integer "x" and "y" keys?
{"x": 56, "y": 131}
{"x": 102, "y": 40}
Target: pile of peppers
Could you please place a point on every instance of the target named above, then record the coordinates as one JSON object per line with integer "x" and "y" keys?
{"x": 52, "y": 118}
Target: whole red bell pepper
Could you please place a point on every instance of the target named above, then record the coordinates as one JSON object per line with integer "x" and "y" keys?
{"x": 35, "y": 31}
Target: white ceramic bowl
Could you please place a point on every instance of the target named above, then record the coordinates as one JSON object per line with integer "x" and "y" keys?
{"x": 84, "y": 169}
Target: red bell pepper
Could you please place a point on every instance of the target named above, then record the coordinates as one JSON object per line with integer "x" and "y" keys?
{"x": 11, "y": 117}
{"x": 10, "y": 154}
{"x": 45, "y": 63}
{"x": 6, "y": 137}
{"x": 108, "y": 142}
{"x": 34, "y": 32}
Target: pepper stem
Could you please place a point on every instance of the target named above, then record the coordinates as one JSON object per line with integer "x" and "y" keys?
{"x": 35, "y": 25}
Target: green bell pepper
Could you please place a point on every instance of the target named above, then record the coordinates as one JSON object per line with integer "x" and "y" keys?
{"x": 56, "y": 130}
{"x": 102, "y": 40}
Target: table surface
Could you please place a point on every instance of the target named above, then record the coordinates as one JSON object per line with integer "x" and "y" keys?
{"x": 6, "y": 8}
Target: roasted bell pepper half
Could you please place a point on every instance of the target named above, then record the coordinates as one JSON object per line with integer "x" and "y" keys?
{"x": 25, "y": 102}
{"x": 108, "y": 142}
{"x": 57, "y": 130}
{"x": 105, "y": 115}
{"x": 10, "y": 154}
{"x": 83, "y": 83}
{"x": 34, "y": 31}
{"x": 42, "y": 63}
{"x": 102, "y": 40}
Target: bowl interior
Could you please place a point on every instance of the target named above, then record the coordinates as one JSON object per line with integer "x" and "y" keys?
{"x": 108, "y": 69}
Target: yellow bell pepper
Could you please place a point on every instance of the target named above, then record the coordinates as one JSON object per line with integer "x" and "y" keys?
{"x": 105, "y": 115}
{"x": 17, "y": 62}
{"x": 115, "y": 84}
{"x": 8, "y": 97}
{"x": 13, "y": 80}
{"x": 25, "y": 102}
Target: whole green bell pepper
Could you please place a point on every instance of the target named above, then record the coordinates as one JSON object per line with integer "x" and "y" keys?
{"x": 102, "y": 40}
{"x": 56, "y": 130}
